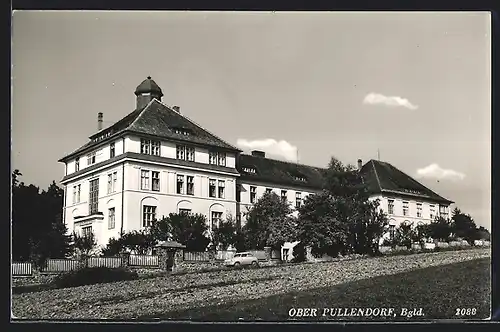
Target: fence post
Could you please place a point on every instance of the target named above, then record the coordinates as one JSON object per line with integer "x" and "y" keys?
{"x": 125, "y": 256}
{"x": 163, "y": 258}
{"x": 267, "y": 251}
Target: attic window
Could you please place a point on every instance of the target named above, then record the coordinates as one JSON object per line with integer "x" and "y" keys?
{"x": 102, "y": 136}
{"x": 412, "y": 191}
{"x": 300, "y": 178}
{"x": 183, "y": 131}
{"x": 249, "y": 170}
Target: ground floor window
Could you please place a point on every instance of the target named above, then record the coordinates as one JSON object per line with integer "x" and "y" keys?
{"x": 216, "y": 218}
{"x": 148, "y": 215}
{"x": 87, "y": 231}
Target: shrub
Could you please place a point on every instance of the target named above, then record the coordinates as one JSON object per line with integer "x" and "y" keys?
{"x": 299, "y": 253}
{"x": 93, "y": 275}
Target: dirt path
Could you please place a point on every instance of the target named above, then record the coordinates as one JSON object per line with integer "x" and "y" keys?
{"x": 130, "y": 299}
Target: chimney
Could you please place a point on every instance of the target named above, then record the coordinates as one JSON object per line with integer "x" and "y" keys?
{"x": 99, "y": 121}
{"x": 360, "y": 164}
{"x": 256, "y": 153}
{"x": 177, "y": 109}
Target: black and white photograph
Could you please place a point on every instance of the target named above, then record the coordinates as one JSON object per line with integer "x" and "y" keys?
{"x": 250, "y": 166}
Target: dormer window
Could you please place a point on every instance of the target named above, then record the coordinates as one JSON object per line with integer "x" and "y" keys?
{"x": 91, "y": 158}
{"x": 300, "y": 178}
{"x": 183, "y": 131}
{"x": 249, "y": 170}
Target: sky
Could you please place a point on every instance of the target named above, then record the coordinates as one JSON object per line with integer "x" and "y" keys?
{"x": 412, "y": 89}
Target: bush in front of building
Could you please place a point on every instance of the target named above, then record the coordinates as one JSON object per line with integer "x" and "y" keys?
{"x": 93, "y": 275}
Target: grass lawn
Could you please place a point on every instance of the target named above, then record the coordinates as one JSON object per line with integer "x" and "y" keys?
{"x": 438, "y": 290}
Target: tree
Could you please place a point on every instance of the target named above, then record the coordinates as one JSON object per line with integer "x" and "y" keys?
{"x": 224, "y": 234}
{"x": 440, "y": 229}
{"x": 268, "y": 223}
{"x": 341, "y": 218}
{"x": 483, "y": 234}
{"x": 463, "y": 226}
{"x": 113, "y": 248}
{"x": 405, "y": 234}
{"x": 84, "y": 244}
{"x": 185, "y": 228}
{"x": 38, "y": 232}
{"x": 139, "y": 242}
{"x": 320, "y": 226}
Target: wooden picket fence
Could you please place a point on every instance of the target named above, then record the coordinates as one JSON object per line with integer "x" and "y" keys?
{"x": 60, "y": 265}
{"x": 22, "y": 269}
{"x": 144, "y": 260}
{"x": 110, "y": 262}
{"x": 196, "y": 256}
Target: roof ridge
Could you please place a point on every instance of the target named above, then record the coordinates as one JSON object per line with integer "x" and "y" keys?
{"x": 284, "y": 161}
{"x": 196, "y": 124}
{"x": 140, "y": 114}
{"x": 376, "y": 175}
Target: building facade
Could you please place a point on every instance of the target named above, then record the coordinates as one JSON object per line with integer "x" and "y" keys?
{"x": 156, "y": 161}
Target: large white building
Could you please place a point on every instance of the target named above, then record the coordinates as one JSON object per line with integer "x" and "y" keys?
{"x": 156, "y": 161}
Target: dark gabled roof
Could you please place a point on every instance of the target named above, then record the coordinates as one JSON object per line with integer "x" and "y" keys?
{"x": 382, "y": 177}
{"x": 279, "y": 172}
{"x": 158, "y": 120}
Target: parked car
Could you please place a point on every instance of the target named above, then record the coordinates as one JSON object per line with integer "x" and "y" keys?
{"x": 242, "y": 258}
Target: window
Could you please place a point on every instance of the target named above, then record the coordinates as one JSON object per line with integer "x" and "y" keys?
{"x": 184, "y": 211}
{"x": 300, "y": 178}
{"x": 285, "y": 254}
{"x": 432, "y": 212}
{"x": 390, "y": 206}
{"x": 150, "y": 147}
{"x": 144, "y": 180}
{"x": 87, "y": 231}
{"x": 269, "y": 190}
{"x": 148, "y": 215}
{"x": 155, "y": 176}
{"x": 74, "y": 194}
{"x": 217, "y": 158}
{"x": 253, "y": 194}
{"x": 443, "y": 211}
{"x": 182, "y": 131}
{"x": 216, "y": 218}
{"x": 392, "y": 231}
{"x": 283, "y": 195}
{"x": 419, "y": 210}
{"x": 111, "y": 218}
{"x": 112, "y": 182}
{"x": 221, "y": 188}
{"x": 211, "y": 188}
{"x": 185, "y": 153}
{"x": 298, "y": 199}
{"x": 77, "y": 164}
{"x": 190, "y": 185}
{"x": 91, "y": 158}
{"x": 180, "y": 184}
{"x": 405, "y": 208}
{"x": 155, "y": 148}
{"x": 112, "y": 150}
{"x": 78, "y": 191}
{"x": 93, "y": 196}
{"x": 249, "y": 170}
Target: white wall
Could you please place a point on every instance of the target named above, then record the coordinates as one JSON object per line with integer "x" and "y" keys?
{"x": 261, "y": 190}
{"x": 397, "y": 217}
{"x": 102, "y": 154}
{"x": 105, "y": 202}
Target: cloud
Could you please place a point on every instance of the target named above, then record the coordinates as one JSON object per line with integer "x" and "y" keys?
{"x": 377, "y": 98}
{"x": 271, "y": 146}
{"x": 433, "y": 171}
